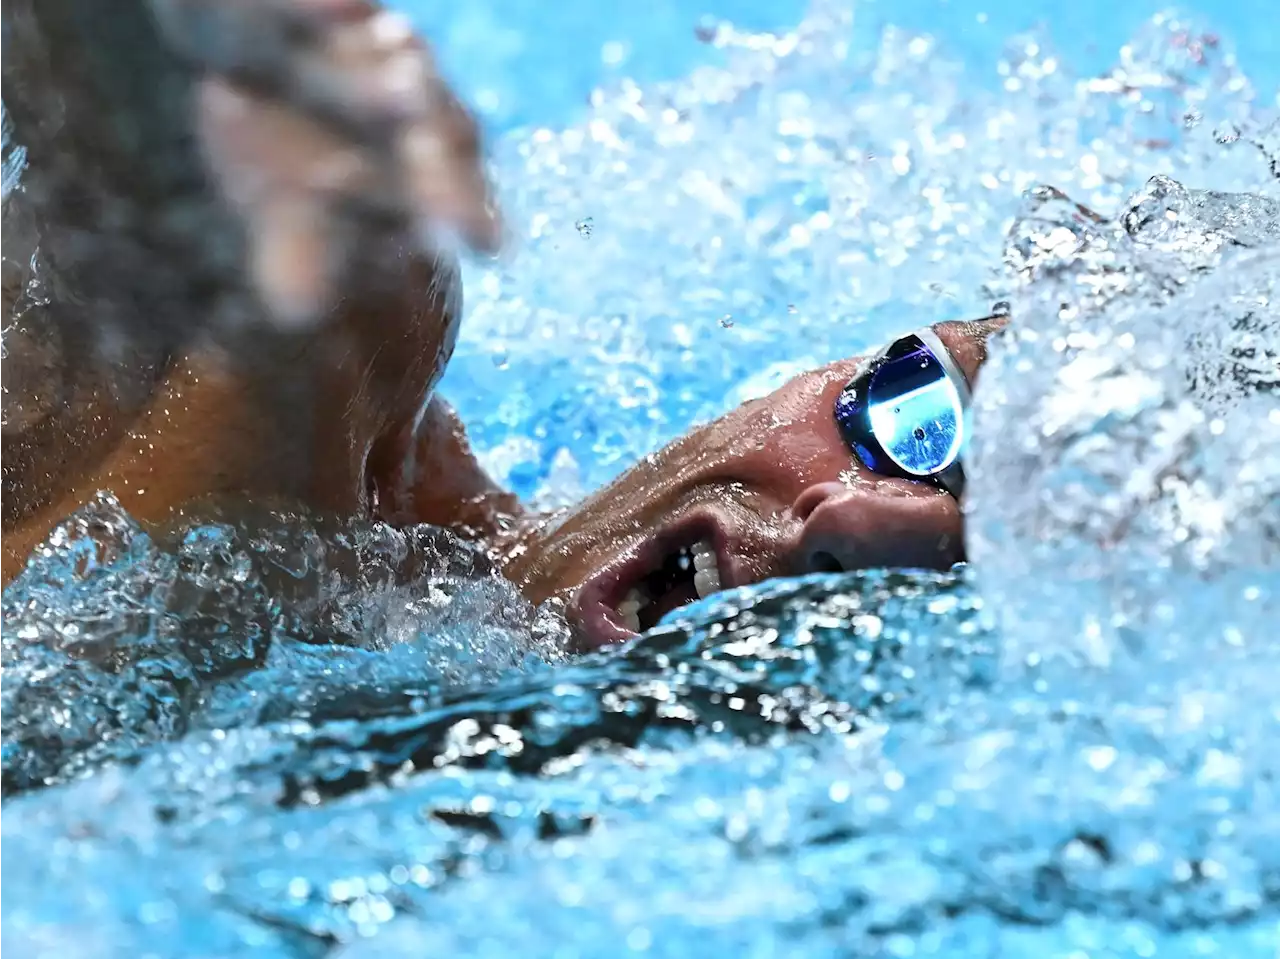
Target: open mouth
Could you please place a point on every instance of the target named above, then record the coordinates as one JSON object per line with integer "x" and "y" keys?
{"x": 690, "y": 573}
{"x": 670, "y": 570}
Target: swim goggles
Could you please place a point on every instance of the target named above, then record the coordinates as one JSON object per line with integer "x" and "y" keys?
{"x": 904, "y": 414}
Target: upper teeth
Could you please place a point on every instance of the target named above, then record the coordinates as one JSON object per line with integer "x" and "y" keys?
{"x": 706, "y": 577}
{"x": 706, "y": 580}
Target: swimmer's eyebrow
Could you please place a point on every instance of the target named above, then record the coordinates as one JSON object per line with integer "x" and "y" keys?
{"x": 967, "y": 339}
{"x": 984, "y": 327}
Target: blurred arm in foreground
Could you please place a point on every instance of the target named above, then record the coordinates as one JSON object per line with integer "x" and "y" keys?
{"x": 226, "y": 267}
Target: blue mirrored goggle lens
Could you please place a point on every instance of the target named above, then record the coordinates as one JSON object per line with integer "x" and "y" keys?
{"x": 914, "y": 410}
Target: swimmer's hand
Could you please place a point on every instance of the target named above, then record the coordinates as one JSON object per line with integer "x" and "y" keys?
{"x": 324, "y": 120}
{"x": 194, "y": 161}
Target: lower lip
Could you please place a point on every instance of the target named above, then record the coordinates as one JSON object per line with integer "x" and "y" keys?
{"x": 599, "y": 619}
{"x": 601, "y": 628}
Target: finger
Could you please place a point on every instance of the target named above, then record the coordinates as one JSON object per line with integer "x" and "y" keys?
{"x": 384, "y": 71}
{"x": 284, "y": 175}
{"x": 363, "y": 72}
{"x": 291, "y": 243}
{"x": 445, "y": 180}
{"x": 258, "y": 147}
{"x": 347, "y": 63}
{"x": 250, "y": 40}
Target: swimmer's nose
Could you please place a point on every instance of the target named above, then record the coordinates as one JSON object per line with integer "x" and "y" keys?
{"x": 900, "y": 524}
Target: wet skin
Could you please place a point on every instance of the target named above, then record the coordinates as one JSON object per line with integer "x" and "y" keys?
{"x": 280, "y": 340}
{"x": 770, "y": 486}
{"x": 226, "y": 271}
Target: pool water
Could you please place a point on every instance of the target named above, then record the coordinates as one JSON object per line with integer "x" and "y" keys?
{"x": 301, "y": 739}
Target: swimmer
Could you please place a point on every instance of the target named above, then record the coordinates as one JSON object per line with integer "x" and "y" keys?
{"x": 228, "y": 274}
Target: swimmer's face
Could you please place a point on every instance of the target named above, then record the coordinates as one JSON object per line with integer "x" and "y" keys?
{"x": 769, "y": 489}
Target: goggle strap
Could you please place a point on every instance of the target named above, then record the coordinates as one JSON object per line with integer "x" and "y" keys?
{"x": 943, "y": 355}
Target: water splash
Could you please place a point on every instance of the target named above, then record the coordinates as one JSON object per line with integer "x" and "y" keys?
{"x": 832, "y": 187}
{"x": 1135, "y": 406}
{"x": 114, "y": 641}
{"x": 529, "y": 761}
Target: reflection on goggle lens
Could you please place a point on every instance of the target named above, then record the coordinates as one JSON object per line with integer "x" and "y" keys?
{"x": 915, "y": 412}
{"x": 905, "y": 412}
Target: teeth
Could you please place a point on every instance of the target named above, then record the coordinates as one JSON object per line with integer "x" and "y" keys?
{"x": 707, "y": 578}
{"x": 700, "y": 558}
{"x": 704, "y": 556}
{"x": 633, "y": 602}
{"x": 706, "y": 582}
{"x": 629, "y": 609}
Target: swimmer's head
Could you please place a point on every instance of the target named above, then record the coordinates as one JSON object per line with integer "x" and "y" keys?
{"x": 774, "y": 487}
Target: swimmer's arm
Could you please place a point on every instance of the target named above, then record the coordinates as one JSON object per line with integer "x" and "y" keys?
{"x": 316, "y": 124}
{"x": 295, "y": 162}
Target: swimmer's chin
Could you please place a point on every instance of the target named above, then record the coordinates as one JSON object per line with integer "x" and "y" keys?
{"x": 686, "y": 561}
